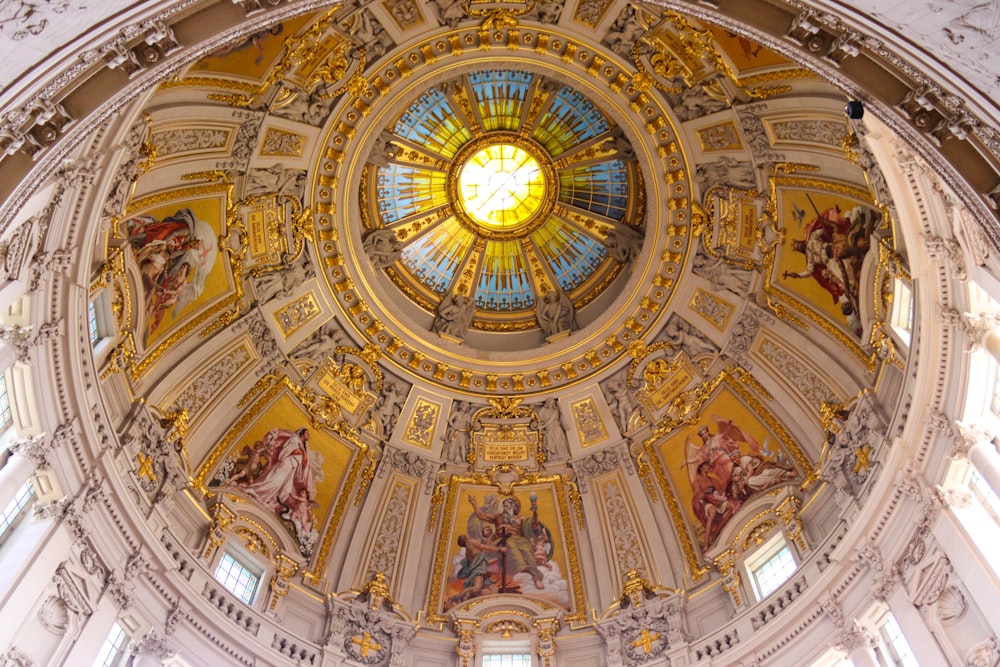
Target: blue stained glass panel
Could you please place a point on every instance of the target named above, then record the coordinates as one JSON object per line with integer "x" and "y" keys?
{"x": 503, "y": 280}
{"x": 601, "y": 188}
{"x": 435, "y": 258}
{"x": 500, "y": 95}
{"x": 570, "y": 119}
{"x": 403, "y": 190}
{"x": 571, "y": 255}
{"x": 431, "y": 122}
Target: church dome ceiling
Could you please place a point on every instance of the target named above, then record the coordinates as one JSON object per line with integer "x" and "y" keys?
{"x": 374, "y": 280}
{"x": 443, "y": 235}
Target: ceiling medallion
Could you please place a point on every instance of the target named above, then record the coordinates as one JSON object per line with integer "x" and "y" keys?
{"x": 613, "y": 150}
{"x": 504, "y": 185}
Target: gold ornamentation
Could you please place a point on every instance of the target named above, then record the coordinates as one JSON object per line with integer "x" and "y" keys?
{"x": 726, "y": 564}
{"x": 646, "y": 640}
{"x": 720, "y": 137}
{"x": 282, "y": 143}
{"x": 145, "y": 466}
{"x": 862, "y": 458}
{"x": 635, "y": 588}
{"x": 589, "y": 425}
{"x": 377, "y": 591}
{"x": 252, "y": 541}
{"x": 284, "y": 569}
{"x": 222, "y": 519}
{"x": 423, "y": 423}
{"x": 297, "y": 314}
{"x": 757, "y": 535}
{"x": 536, "y": 378}
{"x": 322, "y": 415}
{"x": 788, "y": 511}
{"x": 686, "y": 409}
{"x": 372, "y": 456}
{"x": 506, "y": 628}
{"x": 663, "y": 381}
{"x": 784, "y": 304}
{"x": 221, "y": 314}
{"x": 365, "y": 643}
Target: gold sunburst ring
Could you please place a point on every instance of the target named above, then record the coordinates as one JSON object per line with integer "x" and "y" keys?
{"x": 503, "y": 185}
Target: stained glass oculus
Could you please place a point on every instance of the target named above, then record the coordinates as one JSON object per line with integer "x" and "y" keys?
{"x": 503, "y": 185}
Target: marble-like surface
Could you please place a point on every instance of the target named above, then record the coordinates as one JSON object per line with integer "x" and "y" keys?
{"x": 33, "y": 30}
{"x": 965, "y": 34}
{"x": 962, "y": 33}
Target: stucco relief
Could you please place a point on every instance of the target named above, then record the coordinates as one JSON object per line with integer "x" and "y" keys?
{"x": 962, "y": 31}
{"x": 385, "y": 547}
{"x": 625, "y": 539}
{"x": 183, "y": 140}
{"x": 204, "y": 387}
{"x": 805, "y": 380}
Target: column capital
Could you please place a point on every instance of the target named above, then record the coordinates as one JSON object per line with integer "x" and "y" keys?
{"x": 35, "y": 448}
{"x": 152, "y": 646}
{"x": 854, "y": 637}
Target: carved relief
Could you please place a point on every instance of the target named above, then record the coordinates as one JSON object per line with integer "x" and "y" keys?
{"x": 624, "y": 538}
{"x": 282, "y": 142}
{"x": 788, "y": 366}
{"x": 717, "y": 311}
{"x": 183, "y": 140}
{"x": 385, "y": 547}
{"x": 827, "y": 132}
{"x": 201, "y": 391}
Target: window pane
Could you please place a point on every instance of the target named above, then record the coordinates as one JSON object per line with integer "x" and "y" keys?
{"x": 902, "y": 311}
{"x": 506, "y": 660}
{"x": 236, "y": 578}
{"x": 775, "y": 571}
{"x": 92, "y": 323}
{"x": 16, "y": 506}
{"x": 112, "y": 647}
{"x": 900, "y": 648}
{"x": 983, "y": 490}
{"x": 5, "y": 414}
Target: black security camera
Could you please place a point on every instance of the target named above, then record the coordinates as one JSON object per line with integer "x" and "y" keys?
{"x": 855, "y": 110}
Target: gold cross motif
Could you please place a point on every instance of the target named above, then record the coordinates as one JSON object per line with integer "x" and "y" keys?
{"x": 862, "y": 458}
{"x": 366, "y": 644}
{"x": 647, "y": 640}
{"x": 146, "y": 466}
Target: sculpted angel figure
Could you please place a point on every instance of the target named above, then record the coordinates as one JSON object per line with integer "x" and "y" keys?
{"x": 623, "y": 243}
{"x": 383, "y": 247}
{"x": 454, "y": 315}
{"x": 555, "y": 313}
{"x": 550, "y": 422}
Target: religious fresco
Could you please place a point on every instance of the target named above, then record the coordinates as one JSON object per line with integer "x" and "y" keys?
{"x": 744, "y": 53}
{"x": 284, "y": 463}
{"x": 723, "y": 459}
{"x": 827, "y": 234}
{"x": 515, "y": 544}
{"x": 176, "y": 246}
{"x": 253, "y": 56}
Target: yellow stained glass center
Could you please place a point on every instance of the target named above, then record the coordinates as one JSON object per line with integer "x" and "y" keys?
{"x": 501, "y": 186}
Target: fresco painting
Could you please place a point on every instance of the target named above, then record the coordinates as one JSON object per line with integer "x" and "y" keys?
{"x": 289, "y": 467}
{"x": 506, "y": 544}
{"x": 827, "y": 237}
{"x": 724, "y": 459}
{"x": 253, "y": 56}
{"x": 744, "y": 53}
{"x": 176, "y": 248}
